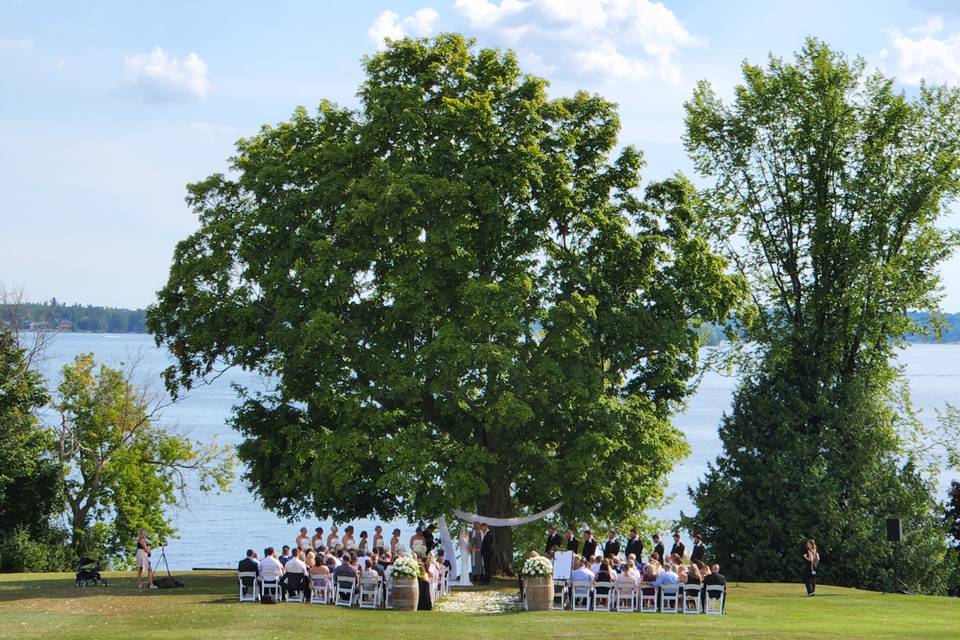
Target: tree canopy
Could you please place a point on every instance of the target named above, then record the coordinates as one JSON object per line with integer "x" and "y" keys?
{"x": 460, "y": 292}
{"x": 827, "y": 185}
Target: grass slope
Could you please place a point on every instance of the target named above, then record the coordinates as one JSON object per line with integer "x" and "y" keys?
{"x": 49, "y": 606}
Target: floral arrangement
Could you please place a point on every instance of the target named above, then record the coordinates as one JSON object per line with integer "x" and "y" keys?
{"x": 405, "y": 567}
{"x": 538, "y": 566}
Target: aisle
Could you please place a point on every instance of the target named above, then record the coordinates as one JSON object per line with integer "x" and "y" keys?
{"x": 486, "y": 600}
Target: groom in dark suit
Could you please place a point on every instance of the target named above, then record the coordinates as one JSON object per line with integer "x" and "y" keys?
{"x": 486, "y": 552}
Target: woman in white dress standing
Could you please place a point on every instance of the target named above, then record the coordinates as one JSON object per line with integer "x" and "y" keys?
{"x": 143, "y": 560}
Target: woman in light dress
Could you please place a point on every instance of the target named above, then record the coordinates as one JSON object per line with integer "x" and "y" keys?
{"x": 332, "y": 539}
{"x": 143, "y": 560}
{"x": 348, "y": 542}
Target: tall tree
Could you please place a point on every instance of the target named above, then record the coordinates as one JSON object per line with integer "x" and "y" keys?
{"x": 828, "y": 184}
{"x": 121, "y": 469}
{"x": 30, "y": 495}
{"x": 461, "y": 295}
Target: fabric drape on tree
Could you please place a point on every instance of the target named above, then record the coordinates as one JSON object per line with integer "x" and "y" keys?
{"x": 506, "y": 522}
{"x": 447, "y": 542}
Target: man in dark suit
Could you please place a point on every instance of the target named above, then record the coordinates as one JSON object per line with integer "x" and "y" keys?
{"x": 553, "y": 539}
{"x": 698, "y": 549}
{"x": 572, "y": 543}
{"x": 486, "y": 552}
{"x": 678, "y": 547}
{"x": 716, "y": 578}
{"x": 249, "y": 565}
{"x": 589, "y": 545}
{"x": 612, "y": 546}
{"x": 658, "y": 547}
{"x": 635, "y": 546}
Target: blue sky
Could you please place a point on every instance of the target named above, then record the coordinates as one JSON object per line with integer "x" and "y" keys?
{"x": 107, "y": 109}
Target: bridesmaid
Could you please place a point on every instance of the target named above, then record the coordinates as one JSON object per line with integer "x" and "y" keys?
{"x": 378, "y": 539}
{"x": 332, "y": 539}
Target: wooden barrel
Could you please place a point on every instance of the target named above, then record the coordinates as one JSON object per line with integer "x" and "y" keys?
{"x": 539, "y": 593}
{"x": 405, "y": 594}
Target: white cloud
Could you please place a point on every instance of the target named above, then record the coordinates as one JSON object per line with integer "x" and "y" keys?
{"x": 389, "y": 25}
{"x": 921, "y": 55}
{"x": 159, "y": 76}
{"x": 616, "y": 39}
{"x": 484, "y": 13}
{"x": 16, "y": 43}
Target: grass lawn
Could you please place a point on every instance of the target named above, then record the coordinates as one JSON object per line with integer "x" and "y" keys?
{"x": 50, "y": 606}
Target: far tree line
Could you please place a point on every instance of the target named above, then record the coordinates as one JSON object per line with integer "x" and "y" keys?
{"x": 57, "y": 316}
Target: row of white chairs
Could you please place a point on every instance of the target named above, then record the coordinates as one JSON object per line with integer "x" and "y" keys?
{"x": 368, "y": 593}
{"x": 586, "y": 595}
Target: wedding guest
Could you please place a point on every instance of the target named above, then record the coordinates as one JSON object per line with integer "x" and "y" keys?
{"x": 417, "y": 544}
{"x": 425, "y": 603}
{"x": 368, "y": 570}
{"x": 303, "y": 540}
{"x": 316, "y": 541}
{"x": 294, "y": 574}
{"x": 605, "y": 574}
{"x": 429, "y": 541}
{"x": 319, "y": 566}
{"x": 667, "y": 577}
{"x": 142, "y": 558}
{"x": 634, "y": 545}
{"x": 553, "y": 539}
{"x": 270, "y": 567}
{"x": 589, "y": 545}
{"x": 378, "y": 539}
{"x": 248, "y": 564}
{"x": 811, "y": 559}
{"x": 658, "y": 548}
{"x": 284, "y": 554}
{"x": 716, "y": 578}
{"x": 582, "y": 572}
{"x": 693, "y": 575}
{"x": 698, "y": 549}
{"x": 632, "y": 570}
{"x": 347, "y": 568}
{"x": 678, "y": 548}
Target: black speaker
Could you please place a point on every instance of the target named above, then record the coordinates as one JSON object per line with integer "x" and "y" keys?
{"x": 894, "y": 529}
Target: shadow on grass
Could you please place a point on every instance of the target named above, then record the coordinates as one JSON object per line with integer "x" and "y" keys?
{"x": 221, "y": 587}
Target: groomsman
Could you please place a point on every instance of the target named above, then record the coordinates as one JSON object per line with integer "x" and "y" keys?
{"x": 554, "y": 541}
{"x": 698, "y": 549}
{"x": 635, "y": 546}
{"x": 572, "y": 543}
{"x": 589, "y": 545}
{"x": 612, "y": 546}
{"x": 678, "y": 547}
{"x": 658, "y": 547}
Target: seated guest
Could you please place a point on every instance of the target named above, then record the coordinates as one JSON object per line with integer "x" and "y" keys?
{"x": 632, "y": 570}
{"x": 319, "y": 567}
{"x": 368, "y": 570}
{"x": 376, "y": 564}
{"x": 682, "y": 574}
{"x": 582, "y": 572}
{"x": 284, "y": 555}
{"x": 715, "y": 578}
{"x": 693, "y": 575}
{"x": 605, "y": 574}
{"x": 626, "y": 578}
{"x": 309, "y": 558}
{"x": 668, "y": 578}
{"x": 650, "y": 572}
{"x": 270, "y": 568}
{"x": 294, "y": 573}
{"x": 249, "y": 564}
{"x": 348, "y": 568}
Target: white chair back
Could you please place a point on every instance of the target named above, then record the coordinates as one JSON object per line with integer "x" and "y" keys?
{"x": 603, "y": 594}
{"x": 626, "y": 596}
{"x": 670, "y": 598}
{"x": 270, "y": 587}
{"x": 295, "y": 595}
{"x": 319, "y": 590}
{"x": 647, "y": 598}
{"x": 369, "y": 593}
{"x": 388, "y": 594}
{"x": 582, "y": 590}
{"x": 716, "y": 594}
{"x": 691, "y": 598}
{"x": 560, "y": 595}
{"x": 346, "y": 587}
{"x": 248, "y": 592}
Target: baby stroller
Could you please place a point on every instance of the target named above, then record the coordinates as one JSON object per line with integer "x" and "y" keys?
{"x": 88, "y": 573}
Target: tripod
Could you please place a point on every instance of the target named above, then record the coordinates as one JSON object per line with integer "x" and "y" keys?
{"x": 163, "y": 558}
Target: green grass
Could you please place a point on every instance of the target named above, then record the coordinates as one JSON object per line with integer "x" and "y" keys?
{"x": 50, "y": 606}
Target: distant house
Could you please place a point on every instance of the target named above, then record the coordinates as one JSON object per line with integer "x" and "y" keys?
{"x": 38, "y": 326}
{"x": 64, "y": 325}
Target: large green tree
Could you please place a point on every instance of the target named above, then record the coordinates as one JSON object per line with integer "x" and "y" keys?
{"x": 30, "y": 496}
{"x": 460, "y": 293}
{"x": 827, "y": 185}
{"x": 122, "y": 470}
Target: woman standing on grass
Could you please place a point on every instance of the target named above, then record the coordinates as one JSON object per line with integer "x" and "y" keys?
{"x": 812, "y": 560}
{"x": 143, "y": 560}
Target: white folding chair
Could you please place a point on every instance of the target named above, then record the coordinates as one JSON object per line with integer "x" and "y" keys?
{"x": 716, "y": 594}
{"x": 603, "y": 601}
{"x": 271, "y": 587}
{"x": 560, "y": 595}
{"x": 369, "y": 597}
{"x": 319, "y": 590}
{"x": 626, "y": 596}
{"x": 298, "y": 595}
{"x": 346, "y": 587}
{"x": 691, "y": 598}
{"x": 388, "y": 594}
{"x": 248, "y": 592}
{"x": 670, "y": 598}
{"x": 582, "y": 590}
{"x": 647, "y": 598}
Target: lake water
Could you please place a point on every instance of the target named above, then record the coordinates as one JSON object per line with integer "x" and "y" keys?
{"x": 215, "y": 529}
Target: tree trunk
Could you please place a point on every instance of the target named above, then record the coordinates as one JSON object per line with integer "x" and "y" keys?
{"x": 497, "y": 504}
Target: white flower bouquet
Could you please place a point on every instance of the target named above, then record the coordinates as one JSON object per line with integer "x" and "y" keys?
{"x": 405, "y": 567}
{"x": 538, "y": 567}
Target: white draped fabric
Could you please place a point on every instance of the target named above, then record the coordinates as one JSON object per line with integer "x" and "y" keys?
{"x": 506, "y": 522}
{"x": 448, "y": 552}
